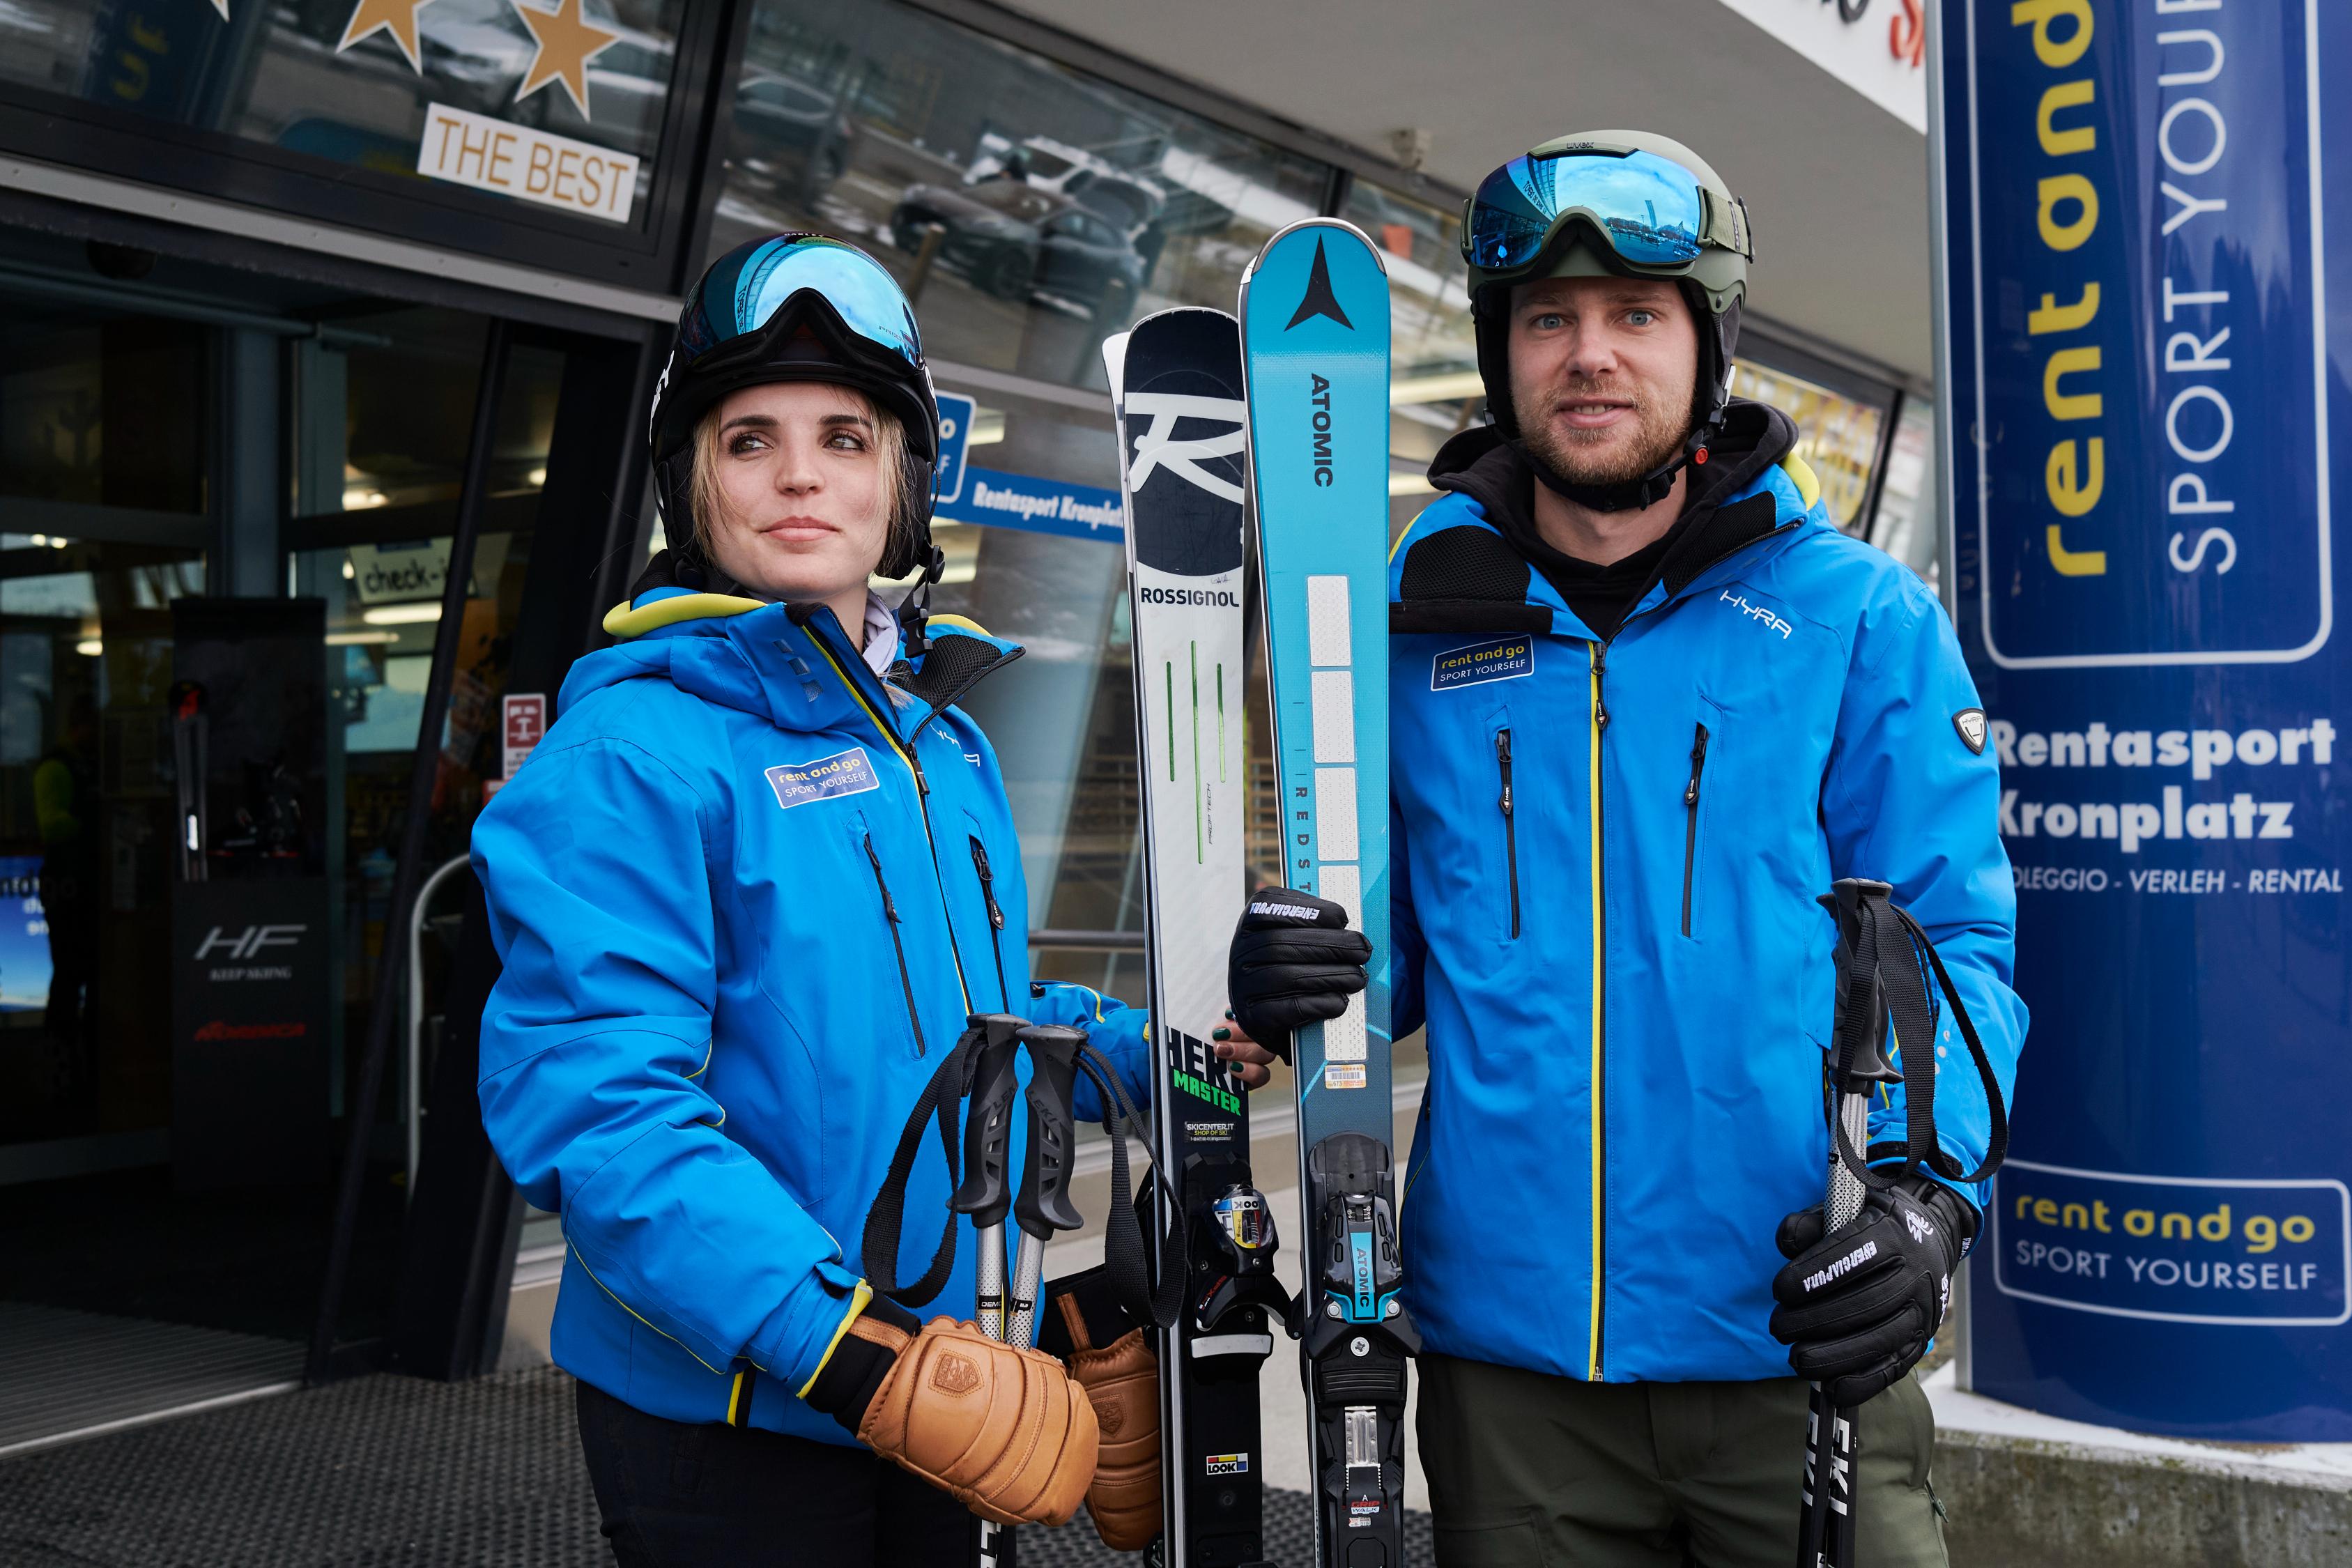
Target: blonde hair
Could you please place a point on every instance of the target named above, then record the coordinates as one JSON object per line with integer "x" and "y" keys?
{"x": 706, "y": 501}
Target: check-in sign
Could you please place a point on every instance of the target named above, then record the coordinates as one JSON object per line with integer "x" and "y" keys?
{"x": 529, "y": 164}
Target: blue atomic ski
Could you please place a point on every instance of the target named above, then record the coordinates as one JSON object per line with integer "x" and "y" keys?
{"x": 1315, "y": 340}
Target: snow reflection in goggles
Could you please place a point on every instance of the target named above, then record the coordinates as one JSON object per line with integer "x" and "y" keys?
{"x": 734, "y": 307}
{"x": 1650, "y": 210}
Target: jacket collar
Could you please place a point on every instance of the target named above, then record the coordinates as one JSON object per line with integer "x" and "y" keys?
{"x": 1458, "y": 567}
{"x": 793, "y": 664}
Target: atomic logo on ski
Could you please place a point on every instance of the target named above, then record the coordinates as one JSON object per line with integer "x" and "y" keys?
{"x": 1320, "y": 300}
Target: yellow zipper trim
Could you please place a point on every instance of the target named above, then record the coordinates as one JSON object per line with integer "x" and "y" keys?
{"x": 735, "y": 1402}
{"x": 858, "y": 1300}
{"x": 1592, "y": 723}
{"x": 922, "y": 807}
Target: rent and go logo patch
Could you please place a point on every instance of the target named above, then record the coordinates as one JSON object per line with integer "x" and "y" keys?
{"x": 844, "y": 772}
{"x": 1504, "y": 659}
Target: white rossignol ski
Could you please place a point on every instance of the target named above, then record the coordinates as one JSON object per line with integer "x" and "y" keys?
{"x": 1176, "y": 388}
{"x": 1314, "y": 336}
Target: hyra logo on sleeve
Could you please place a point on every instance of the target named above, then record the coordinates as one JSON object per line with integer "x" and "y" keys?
{"x": 1504, "y": 659}
{"x": 844, "y": 772}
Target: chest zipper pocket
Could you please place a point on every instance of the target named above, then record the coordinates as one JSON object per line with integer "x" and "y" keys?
{"x": 1510, "y": 823}
{"x": 897, "y": 943}
{"x": 995, "y": 913}
{"x": 1690, "y": 817}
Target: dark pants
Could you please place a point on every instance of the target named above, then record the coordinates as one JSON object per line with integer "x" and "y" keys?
{"x": 673, "y": 1495}
{"x": 1527, "y": 1470}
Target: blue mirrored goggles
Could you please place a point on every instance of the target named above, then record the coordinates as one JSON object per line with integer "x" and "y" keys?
{"x": 1650, "y": 210}
{"x": 736, "y": 302}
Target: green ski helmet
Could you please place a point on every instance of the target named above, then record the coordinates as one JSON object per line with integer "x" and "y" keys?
{"x": 1602, "y": 204}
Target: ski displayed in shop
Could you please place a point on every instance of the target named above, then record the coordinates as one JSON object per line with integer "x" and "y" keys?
{"x": 1176, "y": 390}
{"x": 1314, "y": 338}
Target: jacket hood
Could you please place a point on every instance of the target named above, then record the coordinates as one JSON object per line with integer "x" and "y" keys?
{"x": 1458, "y": 567}
{"x": 773, "y": 660}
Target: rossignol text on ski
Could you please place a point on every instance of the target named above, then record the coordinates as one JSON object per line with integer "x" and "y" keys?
{"x": 1176, "y": 386}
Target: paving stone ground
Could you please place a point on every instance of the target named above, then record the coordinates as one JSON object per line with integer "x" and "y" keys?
{"x": 383, "y": 1470}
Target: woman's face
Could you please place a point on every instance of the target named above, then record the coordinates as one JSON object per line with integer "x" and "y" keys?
{"x": 804, "y": 500}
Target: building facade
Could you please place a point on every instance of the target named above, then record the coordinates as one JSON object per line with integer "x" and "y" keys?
{"x": 326, "y": 328}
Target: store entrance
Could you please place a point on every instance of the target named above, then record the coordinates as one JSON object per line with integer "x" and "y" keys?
{"x": 228, "y": 511}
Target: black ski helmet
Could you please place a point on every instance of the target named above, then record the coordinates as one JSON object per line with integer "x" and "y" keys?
{"x": 1549, "y": 212}
{"x": 796, "y": 307}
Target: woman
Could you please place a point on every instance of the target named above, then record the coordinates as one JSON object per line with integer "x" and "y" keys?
{"x": 746, "y": 893}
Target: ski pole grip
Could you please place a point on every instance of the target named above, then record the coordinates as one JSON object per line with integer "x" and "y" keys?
{"x": 987, "y": 1193}
{"x": 1858, "y": 1052}
{"x": 1045, "y": 1206}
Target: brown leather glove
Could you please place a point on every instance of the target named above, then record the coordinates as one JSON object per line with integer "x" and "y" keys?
{"x": 1000, "y": 1428}
{"x": 1122, "y": 1383}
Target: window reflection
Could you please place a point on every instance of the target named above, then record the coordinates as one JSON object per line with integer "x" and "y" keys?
{"x": 100, "y": 407}
{"x": 1906, "y": 524}
{"x": 350, "y": 81}
{"x": 1434, "y": 392}
{"x": 1030, "y": 211}
{"x": 1837, "y": 435}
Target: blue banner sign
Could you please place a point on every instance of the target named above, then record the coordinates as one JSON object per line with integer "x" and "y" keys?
{"x": 2149, "y": 367}
{"x": 1041, "y": 506}
{"x": 2145, "y": 403}
{"x": 956, "y": 412}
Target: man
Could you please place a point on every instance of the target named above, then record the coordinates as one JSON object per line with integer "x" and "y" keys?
{"x": 1646, "y": 705}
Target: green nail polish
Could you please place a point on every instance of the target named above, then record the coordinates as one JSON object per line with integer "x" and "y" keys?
{"x": 1221, "y": 1034}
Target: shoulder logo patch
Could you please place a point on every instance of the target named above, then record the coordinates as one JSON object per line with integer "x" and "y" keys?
{"x": 1971, "y": 724}
{"x": 844, "y": 772}
{"x": 1504, "y": 658}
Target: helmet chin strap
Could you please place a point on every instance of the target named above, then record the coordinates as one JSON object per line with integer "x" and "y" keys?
{"x": 916, "y": 608}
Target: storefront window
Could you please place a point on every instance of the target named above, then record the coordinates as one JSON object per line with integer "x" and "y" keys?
{"x": 1434, "y": 392}
{"x": 1905, "y": 527}
{"x": 1029, "y": 210}
{"x": 393, "y": 421}
{"x": 1837, "y": 435}
{"x": 375, "y": 83}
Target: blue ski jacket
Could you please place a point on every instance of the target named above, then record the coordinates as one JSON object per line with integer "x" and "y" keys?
{"x": 1605, "y": 858}
{"x": 746, "y": 893}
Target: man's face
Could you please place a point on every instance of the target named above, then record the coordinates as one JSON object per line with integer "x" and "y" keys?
{"x": 1602, "y": 373}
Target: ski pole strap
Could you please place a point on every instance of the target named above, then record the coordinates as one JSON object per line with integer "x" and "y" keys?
{"x": 942, "y": 1097}
{"x": 1901, "y": 990}
{"x": 1126, "y": 1244}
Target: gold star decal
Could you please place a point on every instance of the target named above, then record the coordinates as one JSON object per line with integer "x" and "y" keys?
{"x": 566, "y": 43}
{"x": 370, "y": 17}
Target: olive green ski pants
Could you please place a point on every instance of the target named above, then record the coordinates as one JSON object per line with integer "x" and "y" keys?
{"x": 1528, "y": 1470}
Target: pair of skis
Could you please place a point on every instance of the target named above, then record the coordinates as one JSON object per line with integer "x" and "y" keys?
{"x": 1290, "y": 406}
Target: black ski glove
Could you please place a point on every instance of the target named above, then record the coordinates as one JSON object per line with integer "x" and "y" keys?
{"x": 1293, "y": 962}
{"x": 1857, "y": 1309}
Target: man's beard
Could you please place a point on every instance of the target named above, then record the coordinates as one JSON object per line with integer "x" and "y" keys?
{"x": 1578, "y": 457}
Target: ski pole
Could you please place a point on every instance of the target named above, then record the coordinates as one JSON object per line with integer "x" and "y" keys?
{"x": 1044, "y": 1206}
{"x": 1858, "y": 1065}
{"x": 986, "y": 1194}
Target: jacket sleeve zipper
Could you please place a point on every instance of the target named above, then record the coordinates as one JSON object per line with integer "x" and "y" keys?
{"x": 891, "y": 914}
{"x": 995, "y": 914}
{"x": 1690, "y": 817}
{"x": 1510, "y": 826}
